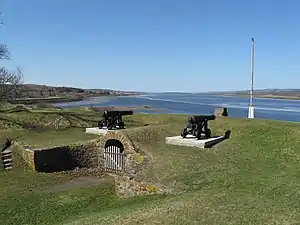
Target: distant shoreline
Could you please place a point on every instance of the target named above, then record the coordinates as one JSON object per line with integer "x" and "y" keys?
{"x": 283, "y": 97}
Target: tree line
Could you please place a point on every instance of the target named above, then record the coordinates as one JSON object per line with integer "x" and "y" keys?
{"x": 10, "y": 81}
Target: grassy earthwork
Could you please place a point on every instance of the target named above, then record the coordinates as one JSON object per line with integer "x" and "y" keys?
{"x": 251, "y": 178}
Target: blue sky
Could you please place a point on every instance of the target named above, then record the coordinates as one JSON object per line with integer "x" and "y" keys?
{"x": 154, "y": 45}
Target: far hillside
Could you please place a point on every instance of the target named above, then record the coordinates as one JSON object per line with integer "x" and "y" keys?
{"x": 32, "y": 93}
{"x": 40, "y": 91}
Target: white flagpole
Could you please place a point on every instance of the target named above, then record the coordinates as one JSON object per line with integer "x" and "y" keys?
{"x": 251, "y": 107}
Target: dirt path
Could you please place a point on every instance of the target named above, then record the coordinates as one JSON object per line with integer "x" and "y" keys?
{"x": 81, "y": 182}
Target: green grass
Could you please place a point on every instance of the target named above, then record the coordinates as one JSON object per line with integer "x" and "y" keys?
{"x": 73, "y": 118}
{"x": 47, "y": 138}
{"x": 251, "y": 178}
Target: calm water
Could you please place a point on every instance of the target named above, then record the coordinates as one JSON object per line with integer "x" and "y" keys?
{"x": 200, "y": 104}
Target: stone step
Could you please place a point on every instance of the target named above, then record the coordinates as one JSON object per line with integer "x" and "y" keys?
{"x": 7, "y": 160}
{"x": 7, "y": 151}
{"x": 6, "y": 156}
{"x": 8, "y": 168}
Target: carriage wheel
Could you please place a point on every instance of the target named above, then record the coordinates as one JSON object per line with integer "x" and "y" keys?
{"x": 121, "y": 125}
{"x": 100, "y": 124}
{"x": 208, "y": 133}
{"x": 184, "y": 133}
{"x": 109, "y": 126}
{"x": 197, "y": 134}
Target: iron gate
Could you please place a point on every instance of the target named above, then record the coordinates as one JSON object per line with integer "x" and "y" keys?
{"x": 114, "y": 159}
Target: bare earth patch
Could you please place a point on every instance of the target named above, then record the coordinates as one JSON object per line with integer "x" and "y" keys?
{"x": 81, "y": 182}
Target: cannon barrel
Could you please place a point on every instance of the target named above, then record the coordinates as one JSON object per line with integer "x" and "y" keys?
{"x": 117, "y": 113}
{"x": 126, "y": 113}
{"x": 198, "y": 119}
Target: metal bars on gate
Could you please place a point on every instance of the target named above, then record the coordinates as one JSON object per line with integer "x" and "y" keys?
{"x": 113, "y": 159}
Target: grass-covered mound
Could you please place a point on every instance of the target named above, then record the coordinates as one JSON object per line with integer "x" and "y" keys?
{"x": 252, "y": 178}
{"x": 28, "y": 117}
{"x": 33, "y": 117}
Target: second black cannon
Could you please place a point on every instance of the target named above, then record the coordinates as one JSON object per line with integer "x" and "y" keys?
{"x": 198, "y": 127}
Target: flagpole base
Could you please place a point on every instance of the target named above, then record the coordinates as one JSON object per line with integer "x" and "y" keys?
{"x": 251, "y": 112}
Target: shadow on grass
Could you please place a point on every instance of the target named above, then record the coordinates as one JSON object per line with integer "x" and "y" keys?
{"x": 217, "y": 141}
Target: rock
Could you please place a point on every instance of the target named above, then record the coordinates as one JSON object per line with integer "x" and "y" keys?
{"x": 221, "y": 112}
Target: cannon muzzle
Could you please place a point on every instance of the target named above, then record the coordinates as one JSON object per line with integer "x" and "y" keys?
{"x": 126, "y": 113}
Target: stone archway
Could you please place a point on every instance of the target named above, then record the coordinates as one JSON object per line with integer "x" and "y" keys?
{"x": 119, "y": 152}
{"x": 114, "y": 157}
{"x": 116, "y": 135}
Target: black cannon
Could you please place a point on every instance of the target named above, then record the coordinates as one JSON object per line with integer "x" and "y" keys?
{"x": 113, "y": 119}
{"x": 198, "y": 127}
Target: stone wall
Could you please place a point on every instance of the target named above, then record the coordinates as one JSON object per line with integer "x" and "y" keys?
{"x": 61, "y": 158}
{"x": 87, "y": 154}
{"x": 28, "y": 157}
{"x": 25, "y": 154}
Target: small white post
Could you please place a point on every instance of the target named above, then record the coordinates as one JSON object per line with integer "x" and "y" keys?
{"x": 251, "y": 107}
